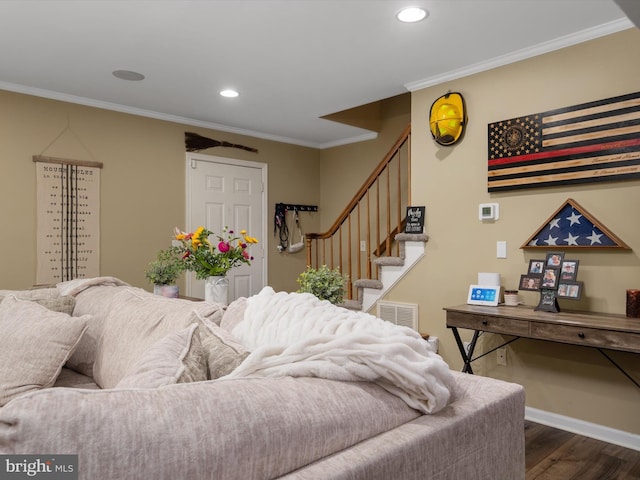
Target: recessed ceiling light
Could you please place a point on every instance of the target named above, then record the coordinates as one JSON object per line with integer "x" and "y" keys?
{"x": 128, "y": 75}
{"x": 229, "y": 93}
{"x": 411, "y": 14}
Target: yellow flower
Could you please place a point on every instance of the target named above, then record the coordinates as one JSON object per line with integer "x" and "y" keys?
{"x": 196, "y": 239}
{"x": 249, "y": 239}
{"x": 243, "y": 232}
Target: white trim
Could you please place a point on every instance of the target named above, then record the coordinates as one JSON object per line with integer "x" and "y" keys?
{"x": 264, "y": 168}
{"x": 347, "y": 141}
{"x": 580, "y": 427}
{"x": 546, "y": 47}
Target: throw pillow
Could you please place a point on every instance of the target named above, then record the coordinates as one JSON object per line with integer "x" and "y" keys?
{"x": 34, "y": 345}
{"x": 234, "y": 314}
{"x": 136, "y": 320}
{"x": 177, "y": 358}
{"x": 47, "y": 297}
{"x": 224, "y": 353}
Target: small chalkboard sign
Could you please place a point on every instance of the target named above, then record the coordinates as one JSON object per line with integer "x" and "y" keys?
{"x": 415, "y": 220}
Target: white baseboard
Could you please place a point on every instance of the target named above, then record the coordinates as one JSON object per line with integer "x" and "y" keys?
{"x": 580, "y": 427}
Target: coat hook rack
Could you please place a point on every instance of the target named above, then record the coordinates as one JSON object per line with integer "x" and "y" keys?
{"x": 295, "y": 207}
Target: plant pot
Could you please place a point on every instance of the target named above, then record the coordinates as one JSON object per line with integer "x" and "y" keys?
{"x": 169, "y": 291}
{"x": 216, "y": 290}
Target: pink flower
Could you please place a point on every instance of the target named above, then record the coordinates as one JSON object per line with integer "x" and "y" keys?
{"x": 223, "y": 247}
{"x": 245, "y": 254}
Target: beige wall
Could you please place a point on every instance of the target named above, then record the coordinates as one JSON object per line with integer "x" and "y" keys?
{"x": 142, "y": 183}
{"x": 451, "y": 182}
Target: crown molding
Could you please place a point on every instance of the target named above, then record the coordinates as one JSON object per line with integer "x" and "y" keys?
{"x": 89, "y": 102}
{"x": 539, "y": 49}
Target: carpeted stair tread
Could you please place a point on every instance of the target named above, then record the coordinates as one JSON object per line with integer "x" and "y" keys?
{"x": 368, "y": 283}
{"x": 391, "y": 261}
{"x": 351, "y": 305}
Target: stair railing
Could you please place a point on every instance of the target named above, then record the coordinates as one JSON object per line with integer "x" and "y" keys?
{"x": 367, "y": 226}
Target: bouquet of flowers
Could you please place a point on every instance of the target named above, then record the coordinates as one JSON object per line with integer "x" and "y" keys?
{"x": 207, "y": 259}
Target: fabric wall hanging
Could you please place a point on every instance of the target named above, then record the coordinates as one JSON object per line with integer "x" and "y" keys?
{"x": 68, "y": 219}
{"x": 592, "y": 142}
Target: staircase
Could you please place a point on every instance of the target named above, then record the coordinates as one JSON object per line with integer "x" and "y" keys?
{"x": 391, "y": 270}
{"x": 366, "y": 241}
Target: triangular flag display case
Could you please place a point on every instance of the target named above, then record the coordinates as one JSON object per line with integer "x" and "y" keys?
{"x": 571, "y": 226}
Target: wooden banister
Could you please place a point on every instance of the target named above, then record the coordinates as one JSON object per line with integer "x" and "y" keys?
{"x": 388, "y": 188}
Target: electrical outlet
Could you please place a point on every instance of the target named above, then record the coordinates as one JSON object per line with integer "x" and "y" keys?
{"x": 502, "y": 356}
{"x": 363, "y": 246}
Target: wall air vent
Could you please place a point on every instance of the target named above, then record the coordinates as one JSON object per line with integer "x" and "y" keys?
{"x": 405, "y": 314}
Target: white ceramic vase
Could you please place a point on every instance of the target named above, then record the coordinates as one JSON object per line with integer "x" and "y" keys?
{"x": 216, "y": 290}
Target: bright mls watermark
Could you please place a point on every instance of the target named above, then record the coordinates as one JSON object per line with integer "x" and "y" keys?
{"x": 51, "y": 467}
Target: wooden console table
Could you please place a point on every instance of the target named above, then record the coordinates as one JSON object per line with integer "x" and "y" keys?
{"x": 597, "y": 330}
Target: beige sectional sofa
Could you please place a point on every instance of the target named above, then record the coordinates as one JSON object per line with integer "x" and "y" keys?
{"x": 148, "y": 390}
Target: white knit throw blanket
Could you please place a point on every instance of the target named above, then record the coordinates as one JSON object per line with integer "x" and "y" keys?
{"x": 295, "y": 334}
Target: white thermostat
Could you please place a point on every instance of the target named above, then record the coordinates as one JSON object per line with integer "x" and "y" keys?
{"x": 488, "y": 211}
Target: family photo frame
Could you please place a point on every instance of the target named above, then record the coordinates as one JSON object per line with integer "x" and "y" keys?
{"x": 550, "y": 278}
{"x": 569, "y": 269}
{"x": 530, "y": 282}
{"x": 554, "y": 259}
{"x": 569, "y": 289}
{"x": 536, "y": 267}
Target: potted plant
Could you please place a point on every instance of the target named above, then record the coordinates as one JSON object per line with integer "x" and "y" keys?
{"x": 324, "y": 283}
{"x": 164, "y": 271}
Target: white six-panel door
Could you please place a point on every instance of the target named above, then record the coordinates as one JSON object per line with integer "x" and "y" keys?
{"x": 224, "y": 192}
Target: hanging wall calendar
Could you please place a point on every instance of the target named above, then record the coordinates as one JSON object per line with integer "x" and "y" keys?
{"x": 68, "y": 219}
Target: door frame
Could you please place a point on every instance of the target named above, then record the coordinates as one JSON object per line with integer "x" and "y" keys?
{"x": 263, "y": 167}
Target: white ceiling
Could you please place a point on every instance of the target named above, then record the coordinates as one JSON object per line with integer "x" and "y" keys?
{"x": 293, "y": 61}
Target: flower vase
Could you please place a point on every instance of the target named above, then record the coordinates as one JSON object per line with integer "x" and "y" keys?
{"x": 169, "y": 291}
{"x": 216, "y": 290}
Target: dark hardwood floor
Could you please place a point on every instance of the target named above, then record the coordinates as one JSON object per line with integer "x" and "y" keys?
{"x": 553, "y": 454}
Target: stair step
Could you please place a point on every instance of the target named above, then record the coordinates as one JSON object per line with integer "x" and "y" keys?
{"x": 390, "y": 261}
{"x": 351, "y": 305}
{"x": 368, "y": 283}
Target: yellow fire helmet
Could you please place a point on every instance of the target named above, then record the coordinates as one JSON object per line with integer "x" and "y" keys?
{"x": 448, "y": 118}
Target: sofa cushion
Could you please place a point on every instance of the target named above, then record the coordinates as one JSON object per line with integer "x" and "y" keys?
{"x": 35, "y": 343}
{"x": 71, "y": 379}
{"x": 95, "y": 301}
{"x": 136, "y": 320}
{"x": 47, "y": 297}
{"x": 224, "y": 353}
{"x": 176, "y": 358}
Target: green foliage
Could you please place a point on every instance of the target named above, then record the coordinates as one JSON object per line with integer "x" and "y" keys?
{"x": 166, "y": 268}
{"x": 324, "y": 283}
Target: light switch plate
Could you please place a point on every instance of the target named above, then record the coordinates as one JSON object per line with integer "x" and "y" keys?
{"x": 501, "y": 249}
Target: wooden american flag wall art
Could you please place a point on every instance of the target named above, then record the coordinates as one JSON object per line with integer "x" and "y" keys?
{"x": 591, "y": 142}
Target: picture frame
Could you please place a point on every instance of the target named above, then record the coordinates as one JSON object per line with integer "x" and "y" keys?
{"x": 550, "y": 278}
{"x": 536, "y": 266}
{"x": 569, "y": 269}
{"x": 570, "y": 290}
{"x": 530, "y": 282}
{"x": 554, "y": 259}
